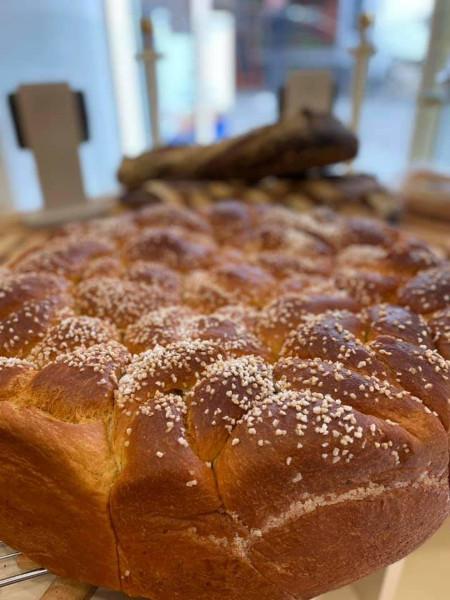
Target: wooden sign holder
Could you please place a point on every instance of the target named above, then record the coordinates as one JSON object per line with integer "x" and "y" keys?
{"x": 313, "y": 89}
{"x": 362, "y": 54}
{"x": 50, "y": 120}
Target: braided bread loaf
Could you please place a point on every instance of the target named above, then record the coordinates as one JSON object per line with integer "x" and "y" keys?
{"x": 239, "y": 402}
{"x": 288, "y": 148}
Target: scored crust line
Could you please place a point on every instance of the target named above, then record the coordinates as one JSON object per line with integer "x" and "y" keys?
{"x": 304, "y": 506}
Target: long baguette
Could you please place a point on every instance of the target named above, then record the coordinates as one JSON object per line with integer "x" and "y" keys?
{"x": 287, "y": 148}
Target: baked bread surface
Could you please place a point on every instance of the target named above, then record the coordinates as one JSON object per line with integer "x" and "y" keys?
{"x": 235, "y": 402}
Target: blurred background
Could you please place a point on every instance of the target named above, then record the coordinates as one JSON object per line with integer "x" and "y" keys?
{"x": 221, "y": 68}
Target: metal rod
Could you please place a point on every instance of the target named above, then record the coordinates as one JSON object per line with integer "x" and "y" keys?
{"x": 22, "y": 577}
{"x": 10, "y": 555}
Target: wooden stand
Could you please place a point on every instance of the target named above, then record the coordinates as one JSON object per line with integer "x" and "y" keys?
{"x": 150, "y": 58}
{"x": 49, "y": 124}
{"x": 361, "y": 54}
{"x": 50, "y": 120}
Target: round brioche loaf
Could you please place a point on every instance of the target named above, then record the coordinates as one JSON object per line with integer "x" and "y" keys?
{"x": 236, "y": 402}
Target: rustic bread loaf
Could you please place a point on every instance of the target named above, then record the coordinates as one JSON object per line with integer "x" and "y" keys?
{"x": 287, "y": 148}
{"x": 239, "y": 402}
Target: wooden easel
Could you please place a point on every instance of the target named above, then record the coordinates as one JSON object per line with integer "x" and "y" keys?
{"x": 150, "y": 57}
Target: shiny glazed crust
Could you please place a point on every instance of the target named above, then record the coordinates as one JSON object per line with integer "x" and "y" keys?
{"x": 235, "y": 402}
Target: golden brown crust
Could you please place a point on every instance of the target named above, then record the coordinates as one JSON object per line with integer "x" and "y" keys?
{"x": 119, "y": 301}
{"x": 55, "y": 480}
{"x": 29, "y": 304}
{"x": 72, "y": 333}
{"x": 382, "y": 528}
{"x": 440, "y": 328}
{"x": 154, "y": 273}
{"x": 399, "y": 322}
{"x": 172, "y": 247}
{"x": 418, "y": 369}
{"x": 15, "y": 374}
{"x": 67, "y": 256}
{"x": 78, "y": 386}
{"x": 235, "y": 402}
{"x": 428, "y": 291}
{"x": 165, "y": 215}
